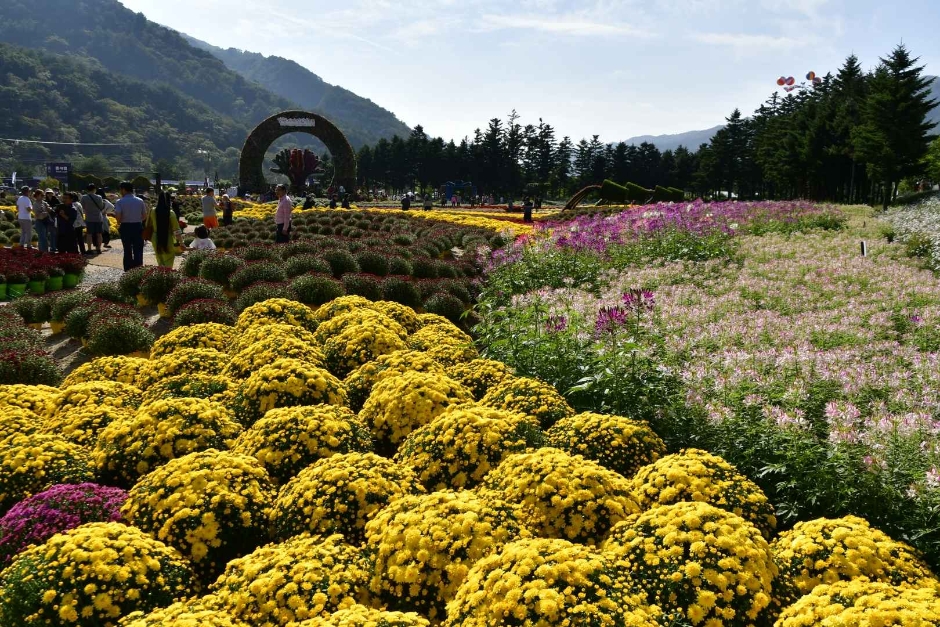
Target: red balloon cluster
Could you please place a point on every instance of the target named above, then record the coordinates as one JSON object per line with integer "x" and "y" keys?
{"x": 789, "y": 83}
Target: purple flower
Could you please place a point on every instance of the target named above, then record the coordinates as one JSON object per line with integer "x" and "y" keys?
{"x": 609, "y": 319}
{"x": 639, "y": 300}
{"x": 60, "y": 508}
{"x": 556, "y": 324}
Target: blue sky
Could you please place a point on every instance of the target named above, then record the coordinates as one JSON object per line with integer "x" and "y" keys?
{"x": 617, "y": 68}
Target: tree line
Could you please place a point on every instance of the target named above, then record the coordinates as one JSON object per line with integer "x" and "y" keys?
{"x": 853, "y": 138}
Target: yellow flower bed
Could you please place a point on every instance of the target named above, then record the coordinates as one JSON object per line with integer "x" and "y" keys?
{"x": 398, "y": 405}
{"x": 405, "y": 316}
{"x": 93, "y": 394}
{"x": 18, "y": 421}
{"x": 120, "y": 368}
{"x": 462, "y": 445}
{"x": 340, "y": 306}
{"x": 282, "y": 584}
{"x": 437, "y": 333}
{"x": 424, "y": 546}
{"x": 287, "y": 440}
{"x": 286, "y": 383}
{"x": 864, "y": 603}
{"x": 359, "y": 382}
{"x": 359, "y": 344}
{"x": 362, "y": 616}
{"x": 206, "y": 335}
{"x": 561, "y": 495}
{"x": 266, "y": 351}
{"x": 91, "y": 575}
{"x": 31, "y": 463}
{"x": 697, "y": 562}
{"x": 537, "y": 582}
{"x": 429, "y": 319}
{"x": 160, "y": 431}
{"x": 212, "y": 506}
{"x": 828, "y": 550}
{"x": 531, "y": 397}
{"x": 340, "y": 494}
{"x": 185, "y": 361}
{"x": 263, "y": 332}
{"x": 83, "y": 425}
{"x": 277, "y": 311}
{"x": 38, "y": 399}
{"x": 695, "y": 475}
{"x": 183, "y": 614}
{"x": 614, "y": 442}
{"x": 453, "y": 354}
{"x": 362, "y": 316}
{"x": 479, "y": 375}
{"x": 212, "y": 387}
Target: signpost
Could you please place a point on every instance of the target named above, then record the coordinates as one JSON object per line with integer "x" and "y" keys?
{"x": 59, "y": 172}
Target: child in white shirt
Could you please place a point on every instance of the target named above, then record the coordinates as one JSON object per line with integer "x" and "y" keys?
{"x": 202, "y": 241}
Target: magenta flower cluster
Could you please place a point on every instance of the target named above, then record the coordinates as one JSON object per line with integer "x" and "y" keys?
{"x": 58, "y": 509}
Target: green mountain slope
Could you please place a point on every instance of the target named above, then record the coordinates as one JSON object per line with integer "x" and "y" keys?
{"x": 367, "y": 121}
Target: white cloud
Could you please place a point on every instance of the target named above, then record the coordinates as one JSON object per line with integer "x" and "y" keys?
{"x": 560, "y": 24}
{"x": 752, "y": 42}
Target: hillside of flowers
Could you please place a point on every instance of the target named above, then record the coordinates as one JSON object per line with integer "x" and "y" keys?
{"x": 623, "y": 435}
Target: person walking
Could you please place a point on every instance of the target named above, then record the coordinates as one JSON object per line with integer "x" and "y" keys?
{"x": 130, "y": 213}
{"x": 24, "y": 214}
{"x": 405, "y": 202}
{"x": 42, "y": 211}
{"x": 428, "y": 203}
{"x": 210, "y": 210}
{"x": 161, "y": 223}
{"x": 94, "y": 208}
{"x": 527, "y": 209}
{"x": 65, "y": 225}
{"x": 282, "y": 217}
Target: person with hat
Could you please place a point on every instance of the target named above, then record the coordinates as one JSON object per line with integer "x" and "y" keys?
{"x": 24, "y": 213}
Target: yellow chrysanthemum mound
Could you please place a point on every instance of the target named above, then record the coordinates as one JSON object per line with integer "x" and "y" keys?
{"x": 263, "y": 332}
{"x": 561, "y": 495}
{"x": 212, "y": 506}
{"x": 479, "y": 375}
{"x": 18, "y": 421}
{"x": 828, "y": 550}
{"x": 428, "y": 319}
{"x": 120, "y": 368}
{"x": 460, "y": 447}
{"x": 205, "y": 335}
{"x": 267, "y": 351}
{"x": 359, "y": 382}
{"x": 129, "y": 448}
{"x": 862, "y": 602}
{"x": 289, "y": 439}
{"x": 277, "y": 311}
{"x": 211, "y": 387}
{"x": 83, "y": 425}
{"x": 357, "y": 345}
{"x": 31, "y": 463}
{"x": 697, "y": 562}
{"x": 93, "y": 394}
{"x": 281, "y": 584}
{"x": 436, "y": 334}
{"x": 696, "y": 475}
{"x": 529, "y": 396}
{"x": 423, "y": 546}
{"x": 362, "y": 616}
{"x": 185, "y": 361}
{"x": 36, "y": 398}
{"x": 405, "y": 316}
{"x": 340, "y": 306}
{"x": 192, "y": 613}
{"x": 399, "y": 405}
{"x": 538, "y": 581}
{"x": 286, "y": 383}
{"x": 452, "y": 354}
{"x": 340, "y": 494}
{"x": 368, "y": 317}
{"x": 614, "y": 442}
{"x": 91, "y": 575}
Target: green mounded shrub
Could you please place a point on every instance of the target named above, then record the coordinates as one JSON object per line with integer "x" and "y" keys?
{"x": 207, "y": 310}
{"x": 121, "y": 336}
{"x": 84, "y": 318}
{"x": 445, "y": 270}
{"x": 219, "y": 267}
{"x": 258, "y": 292}
{"x": 111, "y": 292}
{"x": 130, "y": 281}
{"x": 315, "y": 290}
{"x": 401, "y": 290}
{"x": 424, "y": 268}
{"x": 447, "y": 305}
{"x": 306, "y": 263}
{"x": 193, "y": 261}
{"x": 158, "y": 283}
{"x": 257, "y": 272}
{"x": 399, "y": 265}
{"x": 260, "y": 252}
{"x": 64, "y": 302}
{"x": 372, "y": 262}
{"x": 301, "y": 247}
{"x": 29, "y": 308}
{"x": 190, "y": 289}
{"x": 455, "y": 288}
{"x": 403, "y": 240}
{"x": 365, "y": 285}
{"x": 341, "y": 262}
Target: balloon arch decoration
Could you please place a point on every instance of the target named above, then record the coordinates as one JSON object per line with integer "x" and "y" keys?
{"x": 251, "y": 166}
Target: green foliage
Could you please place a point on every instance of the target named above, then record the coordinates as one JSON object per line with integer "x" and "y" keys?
{"x": 447, "y": 305}
{"x": 120, "y": 336}
{"x": 316, "y": 290}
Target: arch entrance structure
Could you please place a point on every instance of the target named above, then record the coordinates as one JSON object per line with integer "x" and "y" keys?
{"x": 251, "y": 166}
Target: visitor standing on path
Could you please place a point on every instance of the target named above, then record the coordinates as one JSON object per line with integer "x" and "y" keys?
{"x": 210, "y": 210}
{"x": 428, "y": 204}
{"x": 94, "y": 208}
{"x": 79, "y": 224}
{"x": 43, "y": 212}
{"x": 405, "y": 202}
{"x": 24, "y": 213}
{"x": 65, "y": 225}
{"x": 285, "y": 206}
{"x": 162, "y": 223}
{"x": 228, "y": 210}
{"x": 53, "y": 230}
{"x": 527, "y": 209}
{"x": 130, "y": 212}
